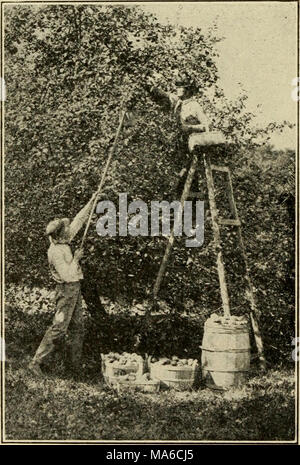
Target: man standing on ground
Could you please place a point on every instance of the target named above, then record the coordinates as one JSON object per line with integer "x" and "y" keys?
{"x": 66, "y": 272}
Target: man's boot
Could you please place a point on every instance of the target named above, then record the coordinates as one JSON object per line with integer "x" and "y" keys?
{"x": 35, "y": 369}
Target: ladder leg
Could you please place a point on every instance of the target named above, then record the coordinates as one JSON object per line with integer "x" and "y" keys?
{"x": 258, "y": 341}
{"x": 217, "y": 237}
{"x": 165, "y": 259}
{"x": 254, "y": 313}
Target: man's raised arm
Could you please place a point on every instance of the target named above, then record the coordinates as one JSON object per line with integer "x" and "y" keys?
{"x": 81, "y": 218}
{"x": 166, "y": 100}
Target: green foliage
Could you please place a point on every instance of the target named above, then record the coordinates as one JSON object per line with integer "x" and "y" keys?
{"x": 68, "y": 71}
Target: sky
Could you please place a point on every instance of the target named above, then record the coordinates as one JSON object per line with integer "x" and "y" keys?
{"x": 259, "y": 51}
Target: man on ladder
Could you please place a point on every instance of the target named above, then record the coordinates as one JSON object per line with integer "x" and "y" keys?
{"x": 194, "y": 124}
{"x": 195, "y": 130}
{"x": 196, "y": 134}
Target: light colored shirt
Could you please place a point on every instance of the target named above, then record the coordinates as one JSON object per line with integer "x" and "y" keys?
{"x": 80, "y": 219}
{"x": 63, "y": 267}
{"x": 191, "y": 113}
{"x": 189, "y": 110}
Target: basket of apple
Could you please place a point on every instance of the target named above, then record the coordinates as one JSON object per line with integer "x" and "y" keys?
{"x": 116, "y": 365}
{"x": 142, "y": 383}
{"x": 180, "y": 374}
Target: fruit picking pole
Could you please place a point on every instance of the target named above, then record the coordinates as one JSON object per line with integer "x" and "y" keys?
{"x": 111, "y": 153}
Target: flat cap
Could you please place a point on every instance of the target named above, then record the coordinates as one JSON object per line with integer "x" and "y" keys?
{"x": 54, "y": 226}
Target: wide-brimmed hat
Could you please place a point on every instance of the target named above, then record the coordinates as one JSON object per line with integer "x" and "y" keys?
{"x": 183, "y": 81}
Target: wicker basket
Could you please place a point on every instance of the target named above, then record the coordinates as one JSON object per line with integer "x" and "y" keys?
{"x": 113, "y": 371}
{"x": 180, "y": 378}
{"x": 152, "y": 386}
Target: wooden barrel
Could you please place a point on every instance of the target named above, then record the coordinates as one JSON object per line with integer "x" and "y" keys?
{"x": 177, "y": 377}
{"x": 225, "y": 353}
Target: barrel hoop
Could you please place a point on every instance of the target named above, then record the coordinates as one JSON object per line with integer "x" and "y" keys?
{"x": 225, "y": 371}
{"x": 184, "y": 380}
{"x": 228, "y": 350}
{"x": 225, "y": 326}
{"x": 228, "y": 331}
{"x": 175, "y": 368}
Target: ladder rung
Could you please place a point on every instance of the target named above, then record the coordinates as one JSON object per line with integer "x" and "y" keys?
{"x": 220, "y": 168}
{"x": 229, "y": 222}
{"x": 195, "y": 195}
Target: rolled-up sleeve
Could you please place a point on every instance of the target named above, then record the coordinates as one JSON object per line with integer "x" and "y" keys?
{"x": 166, "y": 99}
{"x": 80, "y": 219}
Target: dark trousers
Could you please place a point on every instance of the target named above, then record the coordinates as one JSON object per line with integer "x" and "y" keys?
{"x": 68, "y": 316}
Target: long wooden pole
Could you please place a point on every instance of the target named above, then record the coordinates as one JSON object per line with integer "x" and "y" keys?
{"x": 184, "y": 196}
{"x": 111, "y": 153}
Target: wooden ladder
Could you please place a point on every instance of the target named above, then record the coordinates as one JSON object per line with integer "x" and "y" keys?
{"x": 217, "y": 223}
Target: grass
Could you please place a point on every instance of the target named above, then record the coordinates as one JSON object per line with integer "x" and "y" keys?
{"x": 57, "y": 408}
